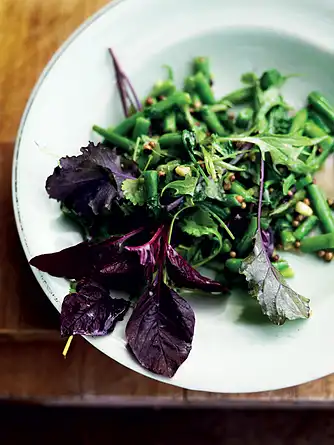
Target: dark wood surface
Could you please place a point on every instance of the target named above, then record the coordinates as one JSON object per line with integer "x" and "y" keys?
{"x": 31, "y": 364}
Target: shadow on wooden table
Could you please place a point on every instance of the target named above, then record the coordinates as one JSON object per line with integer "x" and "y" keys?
{"x": 160, "y": 427}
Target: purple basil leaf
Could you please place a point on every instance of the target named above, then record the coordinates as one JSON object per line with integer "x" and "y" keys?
{"x": 184, "y": 275}
{"x": 149, "y": 252}
{"x": 110, "y": 160}
{"x": 160, "y": 329}
{"x": 268, "y": 241}
{"x": 91, "y": 311}
{"x": 90, "y": 182}
{"x": 89, "y": 259}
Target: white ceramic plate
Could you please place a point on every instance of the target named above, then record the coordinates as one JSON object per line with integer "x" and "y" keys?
{"x": 233, "y": 351}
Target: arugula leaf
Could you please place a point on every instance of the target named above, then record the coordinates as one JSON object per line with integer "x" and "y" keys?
{"x": 133, "y": 190}
{"x": 184, "y": 186}
{"x": 277, "y": 300}
{"x": 284, "y": 149}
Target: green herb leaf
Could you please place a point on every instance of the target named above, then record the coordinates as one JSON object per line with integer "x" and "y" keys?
{"x": 209, "y": 165}
{"x": 184, "y": 186}
{"x": 277, "y": 300}
{"x": 133, "y": 190}
{"x": 200, "y": 224}
{"x": 284, "y": 149}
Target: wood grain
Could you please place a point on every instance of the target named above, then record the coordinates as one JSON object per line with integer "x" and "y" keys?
{"x": 31, "y": 364}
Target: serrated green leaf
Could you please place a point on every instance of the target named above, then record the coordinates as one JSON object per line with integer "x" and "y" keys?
{"x": 277, "y": 300}
{"x": 284, "y": 149}
{"x": 133, "y": 190}
{"x": 181, "y": 187}
{"x": 200, "y": 224}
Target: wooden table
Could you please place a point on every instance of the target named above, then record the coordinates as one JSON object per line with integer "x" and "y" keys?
{"x": 31, "y": 364}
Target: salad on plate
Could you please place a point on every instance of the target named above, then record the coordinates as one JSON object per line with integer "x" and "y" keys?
{"x": 191, "y": 191}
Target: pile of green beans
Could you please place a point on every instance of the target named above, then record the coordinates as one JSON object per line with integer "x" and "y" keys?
{"x": 167, "y": 111}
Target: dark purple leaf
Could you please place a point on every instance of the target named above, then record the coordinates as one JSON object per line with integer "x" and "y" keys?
{"x": 89, "y": 259}
{"x": 149, "y": 252}
{"x": 160, "y": 329}
{"x": 91, "y": 311}
{"x": 184, "y": 275}
{"x": 90, "y": 182}
{"x": 268, "y": 241}
{"x": 111, "y": 161}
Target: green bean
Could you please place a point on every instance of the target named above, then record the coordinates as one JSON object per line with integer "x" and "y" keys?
{"x": 319, "y": 121}
{"x": 247, "y": 240}
{"x": 327, "y": 145}
{"x": 203, "y": 89}
{"x": 321, "y": 208}
{"x": 245, "y": 117}
{"x": 219, "y": 108}
{"x": 231, "y": 201}
{"x": 304, "y": 181}
{"x": 202, "y": 65}
{"x": 189, "y": 84}
{"x": 322, "y": 106}
{"x": 318, "y": 242}
{"x": 196, "y": 101}
{"x": 170, "y": 140}
{"x": 305, "y": 227}
{"x": 226, "y": 246}
{"x": 299, "y": 121}
{"x": 119, "y": 141}
{"x": 127, "y": 124}
{"x": 151, "y": 190}
{"x": 281, "y": 265}
{"x": 239, "y": 189}
{"x": 141, "y": 128}
{"x": 287, "y": 273}
{"x": 212, "y": 121}
{"x": 163, "y": 88}
{"x": 288, "y": 239}
{"x": 233, "y": 264}
{"x": 240, "y": 96}
{"x": 313, "y": 131}
{"x": 170, "y": 123}
{"x": 177, "y": 99}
